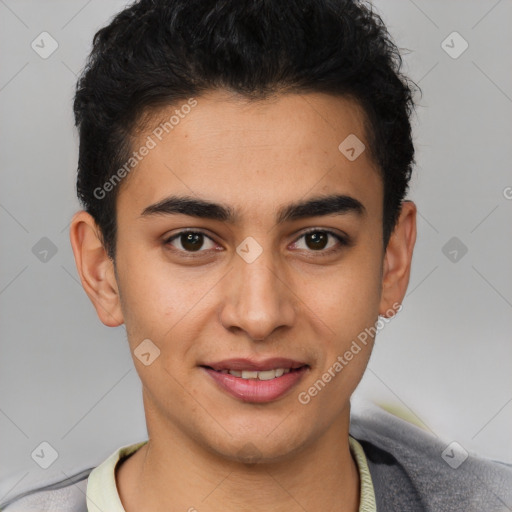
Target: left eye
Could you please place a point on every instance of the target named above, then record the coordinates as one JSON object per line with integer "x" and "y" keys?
{"x": 317, "y": 240}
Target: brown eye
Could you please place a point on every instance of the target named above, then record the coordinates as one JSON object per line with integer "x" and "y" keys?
{"x": 321, "y": 241}
{"x": 316, "y": 240}
{"x": 190, "y": 241}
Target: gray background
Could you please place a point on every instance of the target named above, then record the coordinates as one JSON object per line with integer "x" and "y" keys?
{"x": 445, "y": 360}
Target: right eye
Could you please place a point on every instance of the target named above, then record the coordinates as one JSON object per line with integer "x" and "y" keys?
{"x": 189, "y": 241}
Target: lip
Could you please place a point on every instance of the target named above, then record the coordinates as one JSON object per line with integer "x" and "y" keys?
{"x": 254, "y": 390}
{"x": 240, "y": 364}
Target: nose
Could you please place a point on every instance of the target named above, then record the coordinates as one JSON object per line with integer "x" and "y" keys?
{"x": 257, "y": 297}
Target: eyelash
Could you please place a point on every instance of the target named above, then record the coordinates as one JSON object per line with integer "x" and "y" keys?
{"x": 343, "y": 242}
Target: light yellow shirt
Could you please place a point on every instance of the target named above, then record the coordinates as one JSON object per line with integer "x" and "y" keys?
{"x": 102, "y": 492}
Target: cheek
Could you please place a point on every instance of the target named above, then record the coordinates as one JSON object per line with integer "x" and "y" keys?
{"x": 151, "y": 291}
{"x": 150, "y": 300}
{"x": 164, "y": 303}
{"x": 348, "y": 298}
{"x": 348, "y": 304}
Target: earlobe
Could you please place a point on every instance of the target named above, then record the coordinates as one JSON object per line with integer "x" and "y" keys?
{"x": 95, "y": 268}
{"x": 397, "y": 260}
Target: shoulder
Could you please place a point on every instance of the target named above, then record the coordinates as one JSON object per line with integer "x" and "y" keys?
{"x": 69, "y": 494}
{"x": 63, "y": 495}
{"x": 413, "y": 470}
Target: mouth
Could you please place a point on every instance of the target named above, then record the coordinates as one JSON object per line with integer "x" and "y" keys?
{"x": 256, "y": 382}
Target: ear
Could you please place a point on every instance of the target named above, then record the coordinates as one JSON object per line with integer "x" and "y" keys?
{"x": 95, "y": 268}
{"x": 397, "y": 260}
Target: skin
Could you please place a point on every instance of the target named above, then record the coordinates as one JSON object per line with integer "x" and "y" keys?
{"x": 290, "y": 302}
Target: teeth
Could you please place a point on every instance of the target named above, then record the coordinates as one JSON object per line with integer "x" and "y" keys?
{"x": 250, "y": 375}
{"x": 263, "y": 375}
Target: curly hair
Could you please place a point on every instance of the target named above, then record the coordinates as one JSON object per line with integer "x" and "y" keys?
{"x": 159, "y": 52}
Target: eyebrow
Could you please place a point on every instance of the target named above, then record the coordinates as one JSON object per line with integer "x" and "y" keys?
{"x": 337, "y": 204}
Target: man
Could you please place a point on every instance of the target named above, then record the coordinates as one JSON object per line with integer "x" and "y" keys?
{"x": 243, "y": 167}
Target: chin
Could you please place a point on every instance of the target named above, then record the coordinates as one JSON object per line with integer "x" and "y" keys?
{"x": 258, "y": 449}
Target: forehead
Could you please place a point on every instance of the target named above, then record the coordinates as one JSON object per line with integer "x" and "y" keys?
{"x": 225, "y": 148}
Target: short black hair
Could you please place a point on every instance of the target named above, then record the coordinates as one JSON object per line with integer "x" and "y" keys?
{"x": 160, "y": 52}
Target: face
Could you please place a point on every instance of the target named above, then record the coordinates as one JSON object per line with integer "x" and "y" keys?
{"x": 262, "y": 271}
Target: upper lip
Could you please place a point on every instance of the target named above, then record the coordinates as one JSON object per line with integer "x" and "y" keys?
{"x": 241, "y": 364}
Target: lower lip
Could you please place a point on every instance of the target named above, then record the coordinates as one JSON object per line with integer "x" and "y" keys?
{"x": 255, "y": 390}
